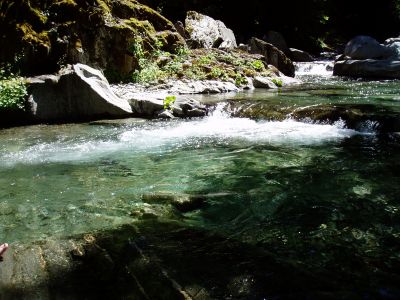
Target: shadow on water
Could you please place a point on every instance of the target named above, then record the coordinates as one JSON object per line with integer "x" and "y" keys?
{"x": 336, "y": 217}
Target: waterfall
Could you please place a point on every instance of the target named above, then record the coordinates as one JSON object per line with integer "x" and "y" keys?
{"x": 319, "y": 68}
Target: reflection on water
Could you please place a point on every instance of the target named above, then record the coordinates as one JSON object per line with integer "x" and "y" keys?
{"x": 321, "y": 198}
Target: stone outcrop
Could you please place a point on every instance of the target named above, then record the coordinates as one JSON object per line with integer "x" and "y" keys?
{"x": 45, "y": 34}
{"x": 272, "y": 56}
{"x": 366, "y": 47}
{"x": 371, "y": 68}
{"x": 78, "y": 92}
{"x": 205, "y": 32}
{"x": 366, "y": 57}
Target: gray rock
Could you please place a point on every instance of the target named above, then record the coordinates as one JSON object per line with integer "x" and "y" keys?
{"x": 78, "y": 92}
{"x": 366, "y": 47}
{"x": 272, "y": 55}
{"x": 368, "y": 68}
{"x": 277, "y": 39}
{"x": 394, "y": 46}
{"x": 151, "y": 104}
{"x": 205, "y": 32}
{"x": 263, "y": 82}
{"x": 300, "y": 55}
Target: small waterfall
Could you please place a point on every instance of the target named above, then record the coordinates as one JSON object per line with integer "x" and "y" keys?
{"x": 319, "y": 68}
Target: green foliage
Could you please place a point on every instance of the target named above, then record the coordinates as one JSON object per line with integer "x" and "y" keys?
{"x": 182, "y": 51}
{"x": 216, "y": 72}
{"x": 168, "y": 102}
{"x": 136, "y": 48}
{"x": 206, "y": 59}
{"x": 149, "y": 72}
{"x": 240, "y": 79}
{"x": 278, "y": 82}
{"x": 12, "y": 92}
{"x": 258, "y": 65}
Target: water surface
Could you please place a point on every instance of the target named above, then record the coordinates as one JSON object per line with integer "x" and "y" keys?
{"x": 320, "y": 197}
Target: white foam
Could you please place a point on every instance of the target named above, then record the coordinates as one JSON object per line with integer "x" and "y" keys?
{"x": 164, "y": 136}
{"x": 320, "y": 68}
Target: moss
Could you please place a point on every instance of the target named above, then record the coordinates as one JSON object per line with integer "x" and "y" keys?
{"x": 31, "y": 36}
{"x": 104, "y": 6}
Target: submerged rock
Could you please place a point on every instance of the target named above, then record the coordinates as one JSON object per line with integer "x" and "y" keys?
{"x": 205, "y": 32}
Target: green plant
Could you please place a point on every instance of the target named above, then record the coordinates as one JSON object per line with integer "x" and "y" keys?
{"x": 258, "y": 65}
{"x": 168, "y": 102}
{"x": 149, "y": 72}
{"x": 136, "y": 48}
{"x": 12, "y": 93}
{"x": 240, "y": 79}
{"x": 206, "y": 59}
{"x": 278, "y": 82}
{"x": 182, "y": 51}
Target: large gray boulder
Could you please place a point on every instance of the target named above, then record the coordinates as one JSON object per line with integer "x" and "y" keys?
{"x": 371, "y": 68}
{"x": 365, "y": 57}
{"x": 77, "y": 92}
{"x": 205, "y": 32}
{"x": 366, "y": 47}
{"x": 272, "y": 56}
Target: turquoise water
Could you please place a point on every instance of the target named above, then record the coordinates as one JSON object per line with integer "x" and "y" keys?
{"x": 319, "y": 196}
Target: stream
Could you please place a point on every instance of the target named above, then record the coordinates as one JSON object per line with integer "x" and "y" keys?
{"x": 254, "y": 201}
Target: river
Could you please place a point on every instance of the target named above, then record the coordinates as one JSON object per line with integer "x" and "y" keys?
{"x": 289, "y": 207}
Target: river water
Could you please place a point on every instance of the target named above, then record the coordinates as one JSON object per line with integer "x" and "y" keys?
{"x": 319, "y": 198}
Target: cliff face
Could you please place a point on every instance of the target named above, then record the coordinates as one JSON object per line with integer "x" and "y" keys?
{"x": 44, "y": 35}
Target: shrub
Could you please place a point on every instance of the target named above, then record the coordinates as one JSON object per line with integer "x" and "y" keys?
{"x": 12, "y": 92}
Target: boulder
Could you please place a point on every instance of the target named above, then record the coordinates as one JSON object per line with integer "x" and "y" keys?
{"x": 263, "y": 82}
{"x": 300, "y": 56}
{"x": 272, "y": 55}
{"x": 150, "y": 104}
{"x": 366, "y": 47}
{"x": 77, "y": 92}
{"x": 371, "y": 68}
{"x": 205, "y": 32}
{"x": 277, "y": 39}
{"x": 394, "y": 45}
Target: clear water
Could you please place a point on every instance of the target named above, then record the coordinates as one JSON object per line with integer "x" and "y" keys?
{"x": 320, "y": 196}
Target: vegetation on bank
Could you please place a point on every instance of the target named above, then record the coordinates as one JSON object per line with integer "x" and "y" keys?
{"x": 196, "y": 64}
{"x": 12, "y": 92}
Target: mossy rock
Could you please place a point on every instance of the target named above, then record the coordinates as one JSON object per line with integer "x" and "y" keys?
{"x": 51, "y": 33}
